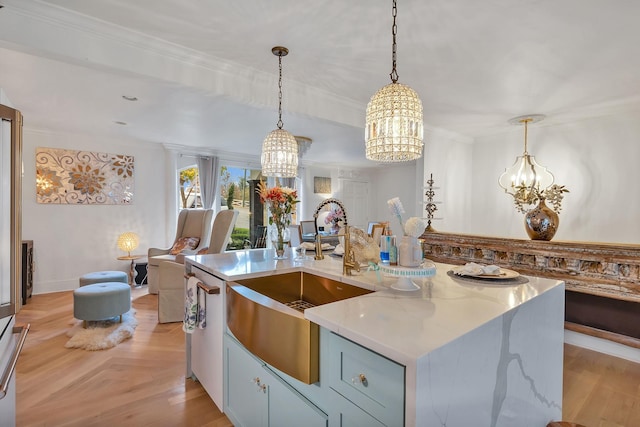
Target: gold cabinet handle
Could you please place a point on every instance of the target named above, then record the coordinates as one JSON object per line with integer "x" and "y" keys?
{"x": 360, "y": 378}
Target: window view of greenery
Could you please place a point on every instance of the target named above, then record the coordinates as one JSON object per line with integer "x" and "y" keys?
{"x": 189, "y": 188}
{"x": 235, "y": 193}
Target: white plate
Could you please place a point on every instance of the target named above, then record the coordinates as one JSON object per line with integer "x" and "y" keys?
{"x": 504, "y": 274}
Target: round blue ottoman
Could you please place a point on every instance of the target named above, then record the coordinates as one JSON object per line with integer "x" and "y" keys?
{"x": 103, "y": 276}
{"x": 101, "y": 301}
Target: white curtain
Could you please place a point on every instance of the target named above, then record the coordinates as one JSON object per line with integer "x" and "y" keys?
{"x": 208, "y": 173}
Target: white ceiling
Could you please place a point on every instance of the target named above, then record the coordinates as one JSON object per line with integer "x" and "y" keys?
{"x": 205, "y": 76}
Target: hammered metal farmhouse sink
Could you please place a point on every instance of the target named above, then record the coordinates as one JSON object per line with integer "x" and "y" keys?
{"x": 266, "y": 314}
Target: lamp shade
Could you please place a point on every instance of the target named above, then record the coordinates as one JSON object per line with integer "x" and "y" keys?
{"x": 280, "y": 154}
{"x": 394, "y": 128}
{"x": 128, "y": 242}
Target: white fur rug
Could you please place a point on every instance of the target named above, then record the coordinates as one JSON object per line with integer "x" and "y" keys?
{"x": 102, "y": 334}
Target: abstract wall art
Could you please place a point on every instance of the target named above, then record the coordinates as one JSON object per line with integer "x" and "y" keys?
{"x": 321, "y": 184}
{"x": 83, "y": 177}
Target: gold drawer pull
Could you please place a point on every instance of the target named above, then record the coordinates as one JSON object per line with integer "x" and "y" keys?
{"x": 361, "y": 378}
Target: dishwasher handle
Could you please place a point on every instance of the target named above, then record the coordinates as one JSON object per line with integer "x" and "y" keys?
{"x": 13, "y": 360}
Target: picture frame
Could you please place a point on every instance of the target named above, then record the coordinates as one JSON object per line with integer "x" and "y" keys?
{"x": 376, "y": 232}
{"x": 322, "y": 185}
{"x": 370, "y": 228}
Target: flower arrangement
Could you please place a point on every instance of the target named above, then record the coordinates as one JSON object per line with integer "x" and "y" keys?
{"x": 334, "y": 217}
{"x": 281, "y": 202}
{"x": 414, "y": 226}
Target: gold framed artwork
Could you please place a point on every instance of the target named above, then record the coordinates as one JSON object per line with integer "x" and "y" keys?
{"x": 376, "y": 232}
{"x": 83, "y": 177}
{"x": 321, "y": 184}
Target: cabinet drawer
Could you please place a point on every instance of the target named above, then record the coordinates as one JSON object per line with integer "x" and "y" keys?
{"x": 369, "y": 380}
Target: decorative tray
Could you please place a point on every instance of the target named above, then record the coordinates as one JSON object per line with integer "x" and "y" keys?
{"x": 406, "y": 274}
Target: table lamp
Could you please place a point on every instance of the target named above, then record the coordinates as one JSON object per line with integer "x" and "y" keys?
{"x": 128, "y": 242}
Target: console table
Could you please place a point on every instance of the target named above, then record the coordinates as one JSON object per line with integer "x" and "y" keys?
{"x": 602, "y": 279}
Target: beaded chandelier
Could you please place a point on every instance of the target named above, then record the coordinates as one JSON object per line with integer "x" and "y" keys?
{"x": 280, "y": 148}
{"x": 394, "y": 128}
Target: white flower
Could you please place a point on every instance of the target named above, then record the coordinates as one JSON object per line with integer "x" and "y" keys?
{"x": 414, "y": 226}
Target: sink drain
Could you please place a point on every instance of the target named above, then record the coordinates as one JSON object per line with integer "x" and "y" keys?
{"x": 299, "y": 305}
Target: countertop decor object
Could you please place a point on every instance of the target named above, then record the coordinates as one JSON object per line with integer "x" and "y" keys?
{"x": 280, "y": 149}
{"x": 281, "y": 202}
{"x": 541, "y": 222}
{"x": 394, "y": 134}
{"x": 406, "y": 275}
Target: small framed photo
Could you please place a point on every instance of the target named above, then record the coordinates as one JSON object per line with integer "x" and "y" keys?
{"x": 376, "y": 232}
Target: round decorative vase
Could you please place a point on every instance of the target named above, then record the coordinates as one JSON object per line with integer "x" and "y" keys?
{"x": 335, "y": 228}
{"x": 279, "y": 239}
{"x": 541, "y": 222}
{"x": 409, "y": 252}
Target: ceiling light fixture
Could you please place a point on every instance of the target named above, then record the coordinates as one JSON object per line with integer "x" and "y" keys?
{"x": 394, "y": 128}
{"x": 280, "y": 149}
{"x": 526, "y": 179}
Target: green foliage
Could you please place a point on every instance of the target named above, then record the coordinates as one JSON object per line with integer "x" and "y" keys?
{"x": 238, "y": 238}
{"x": 188, "y": 183}
{"x": 230, "y": 193}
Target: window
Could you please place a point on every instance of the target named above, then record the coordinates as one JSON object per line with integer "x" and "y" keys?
{"x": 237, "y": 191}
{"x": 189, "y": 188}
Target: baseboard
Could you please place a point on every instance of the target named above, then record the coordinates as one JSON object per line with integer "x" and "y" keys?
{"x": 602, "y": 345}
{"x": 51, "y": 286}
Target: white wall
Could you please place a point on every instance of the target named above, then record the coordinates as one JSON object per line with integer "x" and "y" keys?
{"x": 71, "y": 240}
{"x": 596, "y": 159}
{"x": 310, "y": 200}
{"x": 448, "y": 157}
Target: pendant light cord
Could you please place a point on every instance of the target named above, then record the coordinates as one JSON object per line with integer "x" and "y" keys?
{"x": 394, "y": 32}
{"x": 280, "y": 124}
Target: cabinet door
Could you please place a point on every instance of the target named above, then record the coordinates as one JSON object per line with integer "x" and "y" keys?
{"x": 245, "y": 387}
{"x": 346, "y": 414}
{"x": 288, "y": 408}
{"x": 207, "y": 344}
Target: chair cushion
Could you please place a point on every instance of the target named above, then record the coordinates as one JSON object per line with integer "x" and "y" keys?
{"x": 184, "y": 243}
{"x": 203, "y": 251}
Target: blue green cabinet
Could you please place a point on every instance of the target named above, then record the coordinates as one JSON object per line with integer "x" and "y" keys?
{"x": 367, "y": 389}
{"x": 256, "y": 397}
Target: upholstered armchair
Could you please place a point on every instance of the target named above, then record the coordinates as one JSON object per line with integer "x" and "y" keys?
{"x": 171, "y": 283}
{"x": 193, "y": 234}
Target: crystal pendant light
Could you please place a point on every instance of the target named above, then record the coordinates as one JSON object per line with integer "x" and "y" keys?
{"x": 393, "y": 131}
{"x": 280, "y": 149}
{"x": 525, "y": 179}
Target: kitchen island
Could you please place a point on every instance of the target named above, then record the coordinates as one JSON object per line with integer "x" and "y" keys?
{"x": 467, "y": 352}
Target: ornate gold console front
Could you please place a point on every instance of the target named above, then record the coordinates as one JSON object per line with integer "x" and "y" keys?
{"x": 601, "y": 272}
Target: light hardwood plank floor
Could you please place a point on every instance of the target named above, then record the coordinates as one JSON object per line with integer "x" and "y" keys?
{"x": 141, "y": 381}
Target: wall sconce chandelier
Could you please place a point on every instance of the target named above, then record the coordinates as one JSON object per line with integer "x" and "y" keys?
{"x": 394, "y": 128}
{"x": 525, "y": 180}
{"x": 279, "y": 149}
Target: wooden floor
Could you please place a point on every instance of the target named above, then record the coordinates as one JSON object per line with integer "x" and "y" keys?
{"x": 141, "y": 381}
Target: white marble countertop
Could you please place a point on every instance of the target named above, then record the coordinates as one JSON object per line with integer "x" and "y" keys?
{"x": 401, "y": 325}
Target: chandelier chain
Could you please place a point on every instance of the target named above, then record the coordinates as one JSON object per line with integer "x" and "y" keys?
{"x": 394, "y": 32}
{"x": 526, "y": 122}
{"x": 280, "y": 124}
